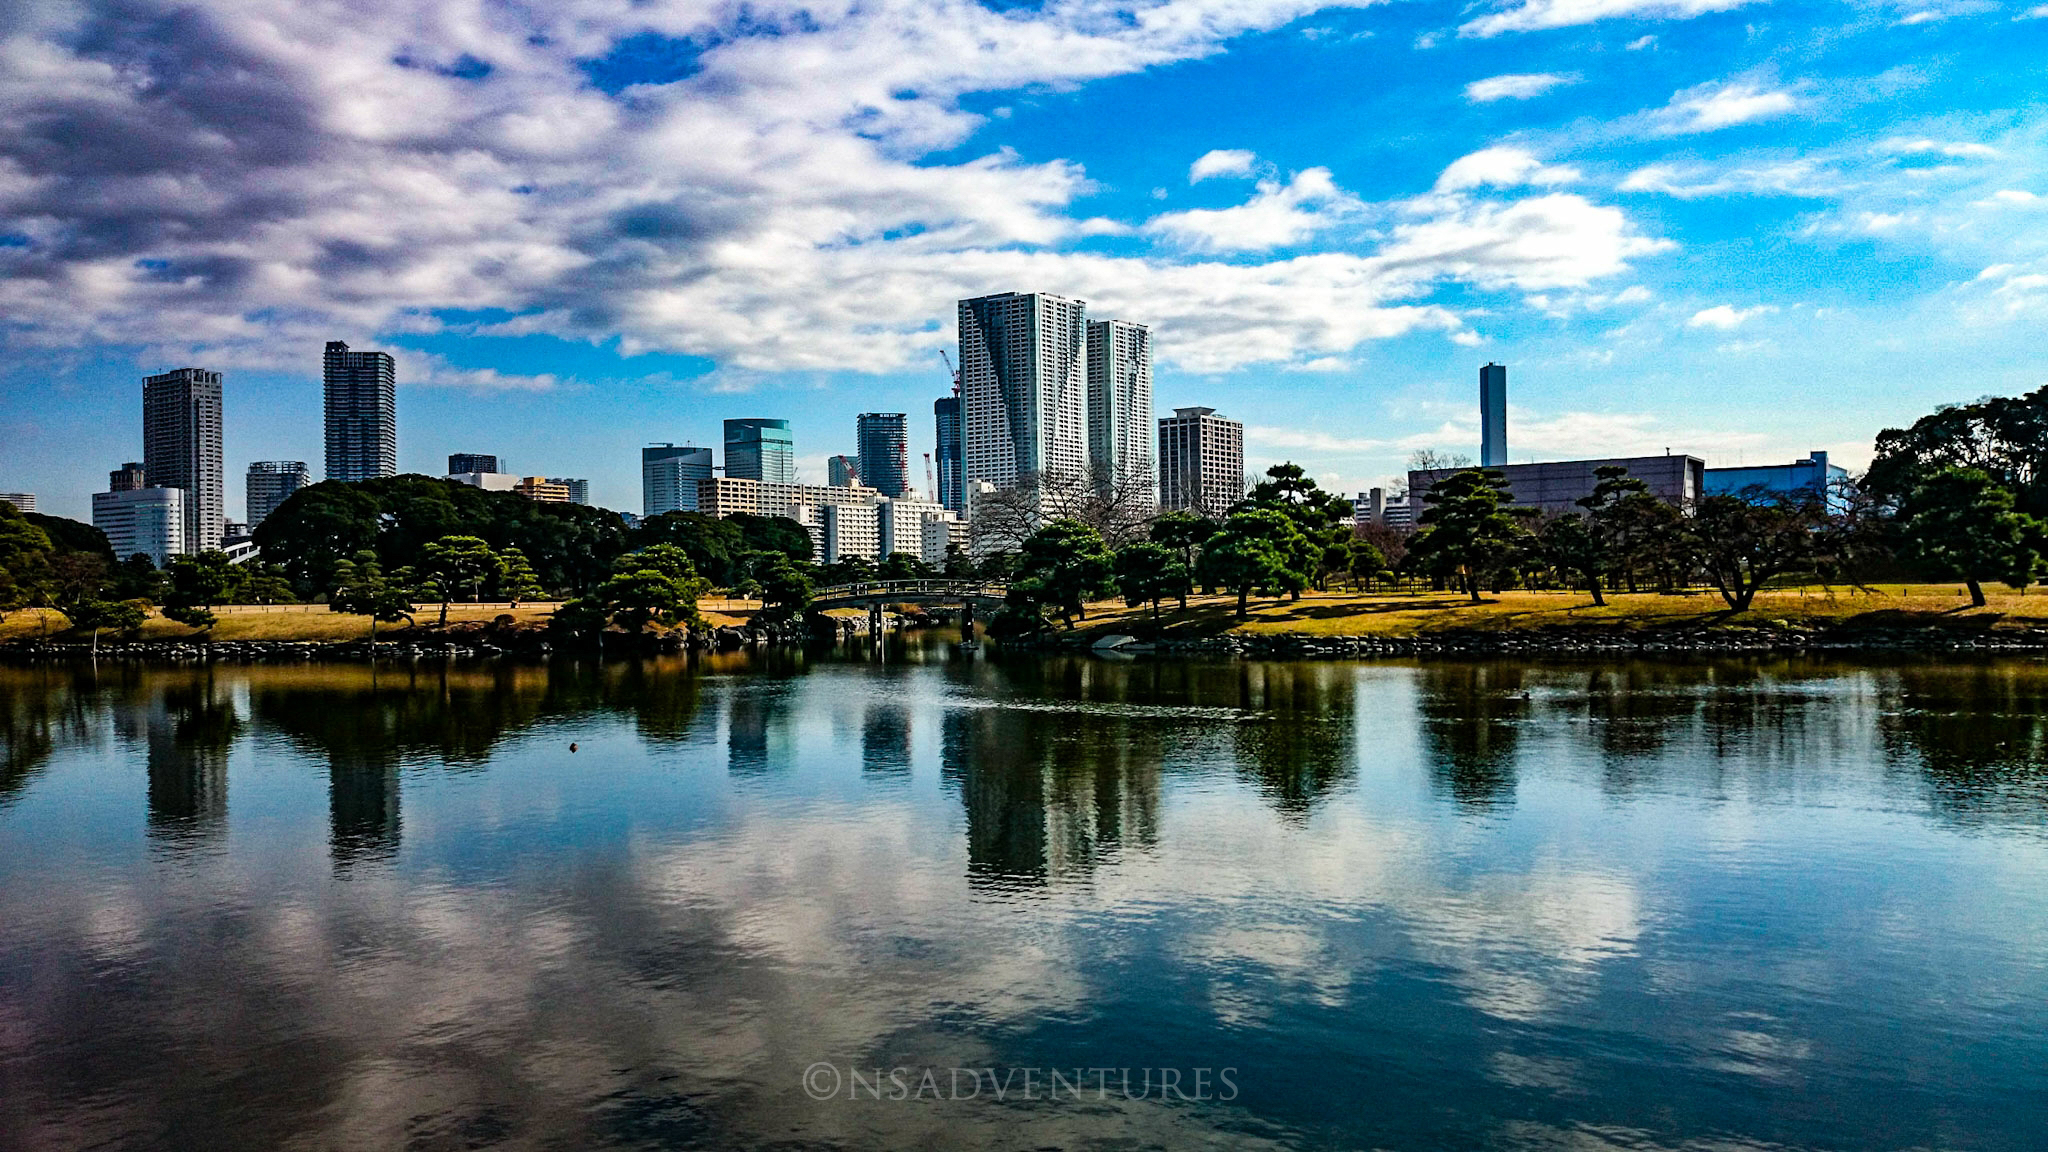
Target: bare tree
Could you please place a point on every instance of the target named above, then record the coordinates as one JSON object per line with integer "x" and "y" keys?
{"x": 1431, "y": 460}
{"x": 1117, "y": 506}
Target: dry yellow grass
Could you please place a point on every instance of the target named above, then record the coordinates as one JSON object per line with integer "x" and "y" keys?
{"x": 1403, "y": 614}
{"x": 315, "y": 622}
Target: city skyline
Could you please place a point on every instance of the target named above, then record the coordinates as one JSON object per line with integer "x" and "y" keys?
{"x": 1663, "y": 215}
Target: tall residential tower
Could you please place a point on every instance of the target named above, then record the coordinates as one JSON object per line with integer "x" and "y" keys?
{"x": 1120, "y": 402}
{"x": 950, "y": 441}
{"x": 362, "y": 413}
{"x": 668, "y": 477}
{"x": 181, "y": 434}
{"x": 1023, "y": 386}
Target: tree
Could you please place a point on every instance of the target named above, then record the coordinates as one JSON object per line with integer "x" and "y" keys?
{"x": 1183, "y": 532}
{"x": 516, "y": 578}
{"x": 1741, "y": 545}
{"x": 1115, "y": 505}
{"x": 653, "y": 585}
{"x": 1363, "y": 560}
{"x": 197, "y": 584}
{"x": 2005, "y": 437}
{"x": 1322, "y": 518}
{"x": 1469, "y": 532}
{"x": 847, "y": 570}
{"x": 785, "y": 589}
{"x": 1962, "y": 523}
{"x": 457, "y": 563}
{"x": 97, "y": 615}
{"x": 905, "y": 566}
{"x": 1248, "y": 556}
{"x": 1570, "y": 546}
{"x": 1149, "y": 572}
{"x": 1062, "y": 566}
{"x": 25, "y": 554}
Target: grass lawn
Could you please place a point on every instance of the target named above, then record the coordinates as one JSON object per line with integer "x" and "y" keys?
{"x": 1406, "y": 614}
{"x": 315, "y": 622}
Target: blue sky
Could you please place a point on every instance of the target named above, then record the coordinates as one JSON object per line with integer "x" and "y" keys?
{"x": 1743, "y": 230}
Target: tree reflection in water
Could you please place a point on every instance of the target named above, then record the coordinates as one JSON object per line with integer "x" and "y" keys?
{"x": 1471, "y": 715}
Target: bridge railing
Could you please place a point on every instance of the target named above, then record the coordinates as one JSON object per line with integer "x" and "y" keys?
{"x": 884, "y": 589}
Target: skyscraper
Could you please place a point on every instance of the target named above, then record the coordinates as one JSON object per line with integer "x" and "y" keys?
{"x": 1201, "y": 461}
{"x": 181, "y": 432}
{"x": 842, "y": 471}
{"x": 883, "y": 439}
{"x": 1120, "y": 424}
{"x": 1493, "y": 415}
{"x": 1023, "y": 386}
{"x": 462, "y": 463}
{"x": 950, "y": 440}
{"x": 270, "y": 483}
{"x": 362, "y": 413}
{"x": 760, "y": 449}
{"x": 668, "y": 477}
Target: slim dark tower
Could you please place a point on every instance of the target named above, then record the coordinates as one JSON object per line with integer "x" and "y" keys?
{"x": 952, "y": 494}
{"x": 181, "y": 448}
{"x": 362, "y": 413}
{"x": 1493, "y": 415}
{"x": 883, "y": 439}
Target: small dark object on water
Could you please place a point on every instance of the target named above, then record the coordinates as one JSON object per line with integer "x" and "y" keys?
{"x": 572, "y": 747}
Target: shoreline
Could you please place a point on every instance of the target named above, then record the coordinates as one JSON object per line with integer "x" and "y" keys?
{"x": 1447, "y": 643}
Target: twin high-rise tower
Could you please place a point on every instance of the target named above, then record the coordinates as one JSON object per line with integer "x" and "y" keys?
{"x": 1045, "y": 392}
{"x": 181, "y": 448}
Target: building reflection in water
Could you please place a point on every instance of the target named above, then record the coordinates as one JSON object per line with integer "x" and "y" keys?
{"x": 885, "y": 740}
{"x": 1471, "y": 717}
{"x": 189, "y": 729}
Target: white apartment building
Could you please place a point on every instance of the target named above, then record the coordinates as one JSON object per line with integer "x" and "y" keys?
{"x": 722, "y": 496}
{"x": 1024, "y": 386}
{"x": 22, "y": 501}
{"x": 146, "y": 520}
{"x": 1201, "y": 461}
{"x": 848, "y": 530}
{"x": 907, "y": 526}
{"x": 940, "y": 533}
{"x": 1120, "y": 399}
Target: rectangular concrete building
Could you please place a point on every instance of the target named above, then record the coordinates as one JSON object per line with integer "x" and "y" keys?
{"x": 181, "y": 448}
{"x": 1201, "y": 461}
{"x": 1557, "y": 486}
{"x": 150, "y": 521}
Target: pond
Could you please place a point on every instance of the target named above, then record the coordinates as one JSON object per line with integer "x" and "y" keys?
{"x": 962, "y": 900}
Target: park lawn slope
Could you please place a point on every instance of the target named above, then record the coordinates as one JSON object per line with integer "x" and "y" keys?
{"x": 1420, "y": 614}
{"x": 313, "y": 622}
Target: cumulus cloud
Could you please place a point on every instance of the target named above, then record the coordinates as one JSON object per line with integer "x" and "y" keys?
{"x": 752, "y": 189}
{"x": 1721, "y": 104}
{"x": 1726, "y": 317}
{"x": 1534, "y": 15}
{"x": 1221, "y": 162}
{"x": 1800, "y": 177}
{"x": 1501, "y": 167}
{"x": 1276, "y": 215}
{"x": 1517, "y": 86}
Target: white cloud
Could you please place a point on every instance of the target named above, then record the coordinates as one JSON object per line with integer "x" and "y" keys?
{"x": 1909, "y": 146}
{"x": 1501, "y": 167}
{"x": 1277, "y": 215}
{"x": 1794, "y": 177}
{"x": 1721, "y": 104}
{"x": 245, "y": 188}
{"x": 2009, "y": 197}
{"x": 1640, "y": 43}
{"x": 1221, "y": 162}
{"x": 2037, "y": 12}
{"x": 1534, "y": 15}
{"x": 1517, "y": 86}
{"x": 1726, "y": 317}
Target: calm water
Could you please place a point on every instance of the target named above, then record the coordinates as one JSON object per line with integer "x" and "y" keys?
{"x": 1712, "y": 906}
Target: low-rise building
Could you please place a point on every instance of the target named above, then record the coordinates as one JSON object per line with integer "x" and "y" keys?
{"x": 150, "y": 521}
{"x": 22, "y": 501}
{"x": 542, "y": 489}
{"x": 1557, "y": 486}
{"x": 1811, "y": 478}
{"x": 723, "y": 496}
{"x": 488, "y": 481}
{"x": 579, "y": 489}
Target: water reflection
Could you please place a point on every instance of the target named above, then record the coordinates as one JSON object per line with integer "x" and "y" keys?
{"x": 191, "y": 727}
{"x": 1705, "y": 907}
{"x": 1472, "y": 715}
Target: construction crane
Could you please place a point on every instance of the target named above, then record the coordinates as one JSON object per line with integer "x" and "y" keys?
{"x": 931, "y": 484}
{"x": 950, "y": 370}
